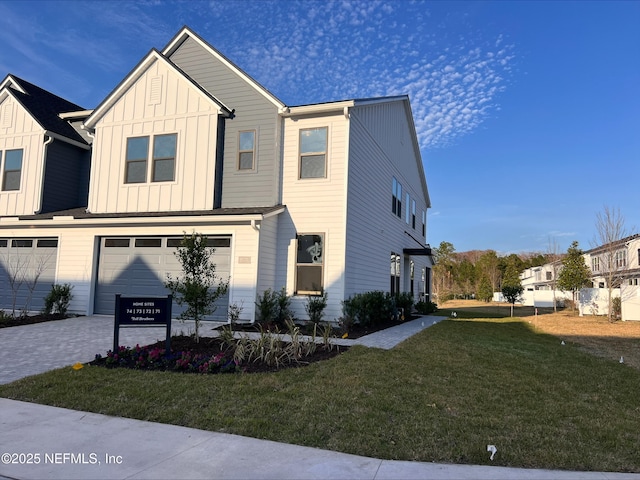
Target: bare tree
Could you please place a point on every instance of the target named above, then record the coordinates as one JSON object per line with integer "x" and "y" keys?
{"x": 610, "y": 250}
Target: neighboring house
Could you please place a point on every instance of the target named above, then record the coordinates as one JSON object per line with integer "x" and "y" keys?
{"x": 622, "y": 259}
{"x": 290, "y": 196}
{"x": 618, "y": 264}
{"x": 44, "y": 167}
{"x": 538, "y": 283}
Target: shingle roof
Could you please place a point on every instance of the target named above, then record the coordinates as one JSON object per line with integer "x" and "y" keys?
{"x": 81, "y": 212}
{"x": 45, "y": 107}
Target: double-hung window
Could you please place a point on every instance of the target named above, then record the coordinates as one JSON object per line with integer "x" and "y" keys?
{"x": 12, "y": 170}
{"x": 413, "y": 214}
{"x": 163, "y": 159}
{"x": 309, "y": 264}
{"x": 246, "y": 150}
{"x": 313, "y": 152}
{"x": 394, "y": 287}
{"x": 407, "y": 214}
{"x": 396, "y": 206}
{"x": 424, "y": 223}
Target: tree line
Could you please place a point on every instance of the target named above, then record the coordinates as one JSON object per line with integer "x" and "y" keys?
{"x": 479, "y": 273}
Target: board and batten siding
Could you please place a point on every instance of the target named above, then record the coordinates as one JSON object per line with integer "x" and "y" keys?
{"x": 316, "y": 206}
{"x": 18, "y": 130}
{"x": 379, "y": 150}
{"x": 252, "y": 111}
{"x": 66, "y": 177}
{"x": 182, "y": 110}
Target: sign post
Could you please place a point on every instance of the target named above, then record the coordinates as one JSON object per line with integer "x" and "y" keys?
{"x": 142, "y": 312}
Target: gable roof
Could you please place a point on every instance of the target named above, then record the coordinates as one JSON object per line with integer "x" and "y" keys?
{"x": 43, "y": 106}
{"x": 133, "y": 76}
{"x": 186, "y": 33}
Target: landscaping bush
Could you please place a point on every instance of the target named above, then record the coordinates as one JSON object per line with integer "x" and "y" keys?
{"x": 616, "y": 307}
{"x": 405, "y": 301}
{"x": 315, "y": 307}
{"x": 274, "y": 308}
{"x": 425, "y": 308}
{"x": 369, "y": 309}
{"x": 58, "y": 299}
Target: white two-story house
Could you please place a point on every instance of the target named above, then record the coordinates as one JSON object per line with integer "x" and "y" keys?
{"x": 311, "y": 198}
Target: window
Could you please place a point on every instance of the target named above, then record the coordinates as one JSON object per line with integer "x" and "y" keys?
{"x": 396, "y": 206}
{"x": 47, "y": 243}
{"x": 621, "y": 258}
{"x": 116, "y": 242}
{"x": 246, "y": 150}
{"x": 595, "y": 264}
{"x": 412, "y": 267}
{"x": 137, "y": 152}
{"x": 548, "y": 275}
{"x": 164, "y": 157}
{"x": 12, "y": 170}
{"x": 413, "y": 214}
{"x": 3, "y": 243}
{"x": 309, "y": 264}
{"x": 313, "y": 152}
{"x": 395, "y": 274}
{"x": 407, "y": 213}
{"x": 148, "y": 242}
{"x": 424, "y": 223}
{"x": 22, "y": 243}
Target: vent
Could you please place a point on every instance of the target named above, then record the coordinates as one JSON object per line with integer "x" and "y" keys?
{"x": 7, "y": 115}
{"x": 155, "y": 90}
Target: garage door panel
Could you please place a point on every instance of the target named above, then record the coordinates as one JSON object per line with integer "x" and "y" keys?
{"x": 32, "y": 259}
{"x": 143, "y": 269}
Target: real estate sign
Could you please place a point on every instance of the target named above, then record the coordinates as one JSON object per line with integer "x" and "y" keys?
{"x": 142, "y": 312}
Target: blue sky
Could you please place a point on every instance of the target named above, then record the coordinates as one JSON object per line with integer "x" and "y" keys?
{"x": 527, "y": 113}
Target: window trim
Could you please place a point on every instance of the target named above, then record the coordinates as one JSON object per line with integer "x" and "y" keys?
{"x": 155, "y": 159}
{"x": 3, "y": 164}
{"x": 150, "y": 159}
{"x": 298, "y": 265}
{"x": 313, "y": 154}
{"x": 241, "y": 151}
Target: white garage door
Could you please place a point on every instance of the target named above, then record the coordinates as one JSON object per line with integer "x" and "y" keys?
{"x": 27, "y": 271}
{"x": 140, "y": 265}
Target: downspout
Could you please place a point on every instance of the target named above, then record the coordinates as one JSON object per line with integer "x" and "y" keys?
{"x": 217, "y": 181}
{"x": 92, "y": 136}
{"x": 44, "y": 170}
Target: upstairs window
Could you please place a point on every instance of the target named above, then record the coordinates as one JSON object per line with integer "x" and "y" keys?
{"x": 164, "y": 157}
{"x": 424, "y": 223}
{"x": 246, "y": 150}
{"x": 12, "y": 170}
{"x": 313, "y": 152}
{"x": 407, "y": 214}
{"x": 396, "y": 206}
{"x": 163, "y": 161}
{"x": 621, "y": 258}
{"x": 137, "y": 152}
{"x": 595, "y": 264}
{"x": 309, "y": 264}
{"x": 413, "y": 214}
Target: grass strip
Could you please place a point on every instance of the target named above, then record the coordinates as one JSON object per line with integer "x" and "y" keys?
{"x": 442, "y": 396}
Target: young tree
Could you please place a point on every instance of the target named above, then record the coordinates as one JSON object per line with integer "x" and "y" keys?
{"x": 199, "y": 287}
{"x": 575, "y": 273}
{"x": 488, "y": 266}
{"x": 511, "y": 284}
{"x": 610, "y": 248}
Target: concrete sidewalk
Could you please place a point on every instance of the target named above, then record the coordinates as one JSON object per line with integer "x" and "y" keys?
{"x": 66, "y": 444}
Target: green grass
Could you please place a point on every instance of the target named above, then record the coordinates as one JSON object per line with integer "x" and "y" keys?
{"x": 441, "y": 396}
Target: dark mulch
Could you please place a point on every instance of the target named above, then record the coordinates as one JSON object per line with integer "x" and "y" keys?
{"x": 19, "y": 321}
{"x": 207, "y": 348}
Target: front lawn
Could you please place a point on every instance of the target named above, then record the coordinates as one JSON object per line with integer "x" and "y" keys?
{"x": 441, "y": 396}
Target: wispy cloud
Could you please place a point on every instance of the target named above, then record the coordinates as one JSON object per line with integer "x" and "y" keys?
{"x": 318, "y": 51}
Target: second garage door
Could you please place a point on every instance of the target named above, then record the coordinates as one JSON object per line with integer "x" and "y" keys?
{"x": 140, "y": 265}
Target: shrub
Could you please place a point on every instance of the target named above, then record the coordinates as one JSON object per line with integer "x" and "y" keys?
{"x": 273, "y": 308}
{"x": 367, "y": 309}
{"x": 315, "y": 307}
{"x": 405, "y": 301}
{"x": 58, "y": 299}
{"x": 425, "y": 308}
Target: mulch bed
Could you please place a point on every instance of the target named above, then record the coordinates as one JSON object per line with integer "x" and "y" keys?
{"x": 210, "y": 347}
{"x": 19, "y": 321}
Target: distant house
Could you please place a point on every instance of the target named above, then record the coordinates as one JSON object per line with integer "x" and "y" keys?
{"x": 622, "y": 259}
{"x": 321, "y": 197}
